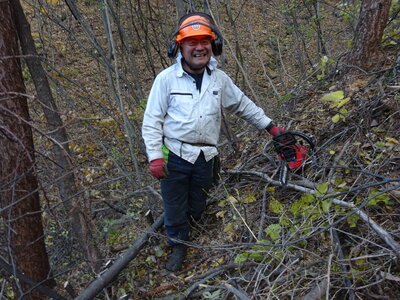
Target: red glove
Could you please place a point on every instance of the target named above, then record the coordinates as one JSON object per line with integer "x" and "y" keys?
{"x": 158, "y": 168}
{"x": 275, "y": 130}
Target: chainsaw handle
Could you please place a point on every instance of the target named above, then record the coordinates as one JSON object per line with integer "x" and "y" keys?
{"x": 303, "y": 136}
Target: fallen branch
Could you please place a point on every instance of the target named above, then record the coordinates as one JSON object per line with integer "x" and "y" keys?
{"x": 318, "y": 291}
{"x": 205, "y": 277}
{"x": 239, "y": 294}
{"x": 339, "y": 253}
{"x": 108, "y": 276}
{"x": 383, "y": 234}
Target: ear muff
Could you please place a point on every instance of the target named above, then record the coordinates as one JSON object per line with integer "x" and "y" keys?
{"x": 172, "y": 50}
{"x": 216, "y": 44}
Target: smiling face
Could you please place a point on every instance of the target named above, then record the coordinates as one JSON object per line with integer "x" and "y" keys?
{"x": 196, "y": 51}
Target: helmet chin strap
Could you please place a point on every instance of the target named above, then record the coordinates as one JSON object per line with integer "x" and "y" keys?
{"x": 193, "y": 67}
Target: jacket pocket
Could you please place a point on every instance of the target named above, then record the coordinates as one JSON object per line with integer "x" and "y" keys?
{"x": 181, "y": 105}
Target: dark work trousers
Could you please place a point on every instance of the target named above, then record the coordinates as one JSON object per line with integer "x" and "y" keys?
{"x": 184, "y": 193}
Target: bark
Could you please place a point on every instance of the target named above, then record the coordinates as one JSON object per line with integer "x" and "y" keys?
{"x": 367, "y": 52}
{"x": 19, "y": 195}
{"x": 64, "y": 167}
{"x": 180, "y": 8}
{"x": 42, "y": 288}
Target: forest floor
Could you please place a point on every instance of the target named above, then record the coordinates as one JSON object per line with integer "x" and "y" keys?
{"x": 255, "y": 240}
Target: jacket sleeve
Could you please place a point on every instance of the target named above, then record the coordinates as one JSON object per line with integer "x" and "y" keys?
{"x": 235, "y": 101}
{"x": 153, "y": 120}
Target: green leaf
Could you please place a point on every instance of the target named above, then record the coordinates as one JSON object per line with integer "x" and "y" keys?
{"x": 296, "y": 208}
{"x": 249, "y": 198}
{"x": 257, "y": 256}
{"x": 213, "y": 295}
{"x": 326, "y": 205}
{"x": 334, "y": 96}
{"x": 343, "y": 102}
{"x": 274, "y": 231}
{"x": 307, "y": 198}
{"x": 322, "y": 189}
{"x": 385, "y": 198}
{"x": 352, "y": 220}
{"x": 284, "y": 220}
{"x": 275, "y": 206}
{"x": 241, "y": 258}
{"x": 270, "y": 189}
{"x": 336, "y": 118}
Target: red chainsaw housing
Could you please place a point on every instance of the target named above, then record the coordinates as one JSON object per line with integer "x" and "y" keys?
{"x": 301, "y": 156}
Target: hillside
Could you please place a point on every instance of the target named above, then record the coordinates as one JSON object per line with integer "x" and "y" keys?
{"x": 333, "y": 232}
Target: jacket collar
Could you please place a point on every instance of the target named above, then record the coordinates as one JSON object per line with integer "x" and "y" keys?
{"x": 212, "y": 65}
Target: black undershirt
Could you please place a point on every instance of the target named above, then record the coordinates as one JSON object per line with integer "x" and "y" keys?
{"x": 198, "y": 78}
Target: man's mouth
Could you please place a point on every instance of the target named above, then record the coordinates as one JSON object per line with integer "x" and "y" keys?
{"x": 199, "y": 55}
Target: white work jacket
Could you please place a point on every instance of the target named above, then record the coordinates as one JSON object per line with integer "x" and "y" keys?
{"x": 187, "y": 121}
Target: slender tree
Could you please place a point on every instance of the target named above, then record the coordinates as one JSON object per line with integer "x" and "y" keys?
{"x": 19, "y": 197}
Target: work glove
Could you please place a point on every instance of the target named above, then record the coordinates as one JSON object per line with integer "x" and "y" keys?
{"x": 275, "y": 130}
{"x": 158, "y": 168}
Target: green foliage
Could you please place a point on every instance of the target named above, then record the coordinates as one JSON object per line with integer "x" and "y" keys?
{"x": 348, "y": 12}
{"x": 212, "y": 295}
{"x": 300, "y": 207}
{"x": 286, "y": 97}
{"x": 323, "y": 66}
{"x": 274, "y": 231}
{"x": 392, "y": 31}
{"x": 241, "y": 258}
{"x": 352, "y": 220}
{"x": 257, "y": 253}
{"x": 383, "y": 198}
{"x": 337, "y": 101}
{"x": 275, "y": 206}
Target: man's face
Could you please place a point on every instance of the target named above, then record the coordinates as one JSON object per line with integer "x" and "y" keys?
{"x": 197, "y": 52}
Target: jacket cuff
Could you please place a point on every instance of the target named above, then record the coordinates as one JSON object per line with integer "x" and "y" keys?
{"x": 154, "y": 155}
{"x": 269, "y": 126}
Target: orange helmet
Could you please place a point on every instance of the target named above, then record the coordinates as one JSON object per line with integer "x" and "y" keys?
{"x": 194, "y": 26}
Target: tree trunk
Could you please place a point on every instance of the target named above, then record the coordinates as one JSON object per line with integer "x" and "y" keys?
{"x": 64, "y": 167}
{"x": 19, "y": 196}
{"x": 367, "y": 52}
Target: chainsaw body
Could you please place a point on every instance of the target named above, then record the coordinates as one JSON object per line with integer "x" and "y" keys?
{"x": 292, "y": 155}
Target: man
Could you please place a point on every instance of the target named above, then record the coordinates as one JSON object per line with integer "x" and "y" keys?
{"x": 182, "y": 122}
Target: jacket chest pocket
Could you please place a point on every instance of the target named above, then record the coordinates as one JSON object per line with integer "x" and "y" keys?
{"x": 213, "y": 102}
{"x": 181, "y": 105}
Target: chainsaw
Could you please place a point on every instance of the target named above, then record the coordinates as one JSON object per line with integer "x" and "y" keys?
{"x": 292, "y": 155}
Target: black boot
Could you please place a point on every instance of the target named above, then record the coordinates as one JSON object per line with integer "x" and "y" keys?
{"x": 176, "y": 258}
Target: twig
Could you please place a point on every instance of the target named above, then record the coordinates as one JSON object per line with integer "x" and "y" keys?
{"x": 337, "y": 158}
{"x": 384, "y": 235}
{"x": 109, "y": 275}
{"x": 339, "y": 253}
{"x": 35, "y": 285}
{"x": 238, "y": 293}
{"x": 263, "y": 210}
{"x": 328, "y": 276}
{"x": 317, "y": 292}
{"x": 196, "y": 284}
